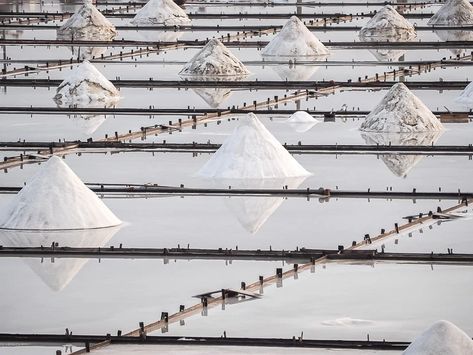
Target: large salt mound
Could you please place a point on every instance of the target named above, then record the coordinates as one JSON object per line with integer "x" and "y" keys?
{"x": 161, "y": 12}
{"x": 56, "y": 199}
{"x": 453, "y": 13}
{"x": 252, "y": 152}
{"x": 87, "y": 23}
{"x": 466, "y": 96}
{"x": 401, "y": 111}
{"x": 214, "y": 60}
{"x": 84, "y": 85}
{"x": 442, "y": 338}
{"x": 295, "y": 40}
{"x": 388, "y": 22}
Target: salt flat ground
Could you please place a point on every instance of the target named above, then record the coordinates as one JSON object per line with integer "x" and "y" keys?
{"x": 392, "y": 301}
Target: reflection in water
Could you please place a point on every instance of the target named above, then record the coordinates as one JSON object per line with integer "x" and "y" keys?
{"x": 57, "y": 273}
{"x": 455, "y": 35}
{"x": 253, "y": 211}
{"x": 293, "y": 71}
{"x": 385, "y": 54}
{"x": 401, "y": 164}
{"x": 214, "y": 97}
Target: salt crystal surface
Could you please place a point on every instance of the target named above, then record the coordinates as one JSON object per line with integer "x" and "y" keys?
{"x": 388, "y": 23}
{"x": 295, "y": 40}
{"x": 466, "y": 96}
{"x": 252, "y": 152}
{"x": 401, "y": 111}
{"x": 442, "y": 338}
{"x": 165, "y": 12}
{"x": 453, "y": 13}
{"x": 56, "y": 199}
{"x": 214, "y": 60}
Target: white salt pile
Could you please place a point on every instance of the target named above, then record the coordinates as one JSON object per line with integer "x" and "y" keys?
{"x": 301, "y": 121}
{"x": 388, "y": 23}
{"x": 252, "y": 152}
{"x": 84, "y": 85}
{"x": 295, "y": 40}
{"x": 56, "y": 199}
{"x": 165, "y": 12}
{"x": 214, "y": 60}
{"x": 87, "y": 23}
{"x": 466, "y": 96}
{"x": 453, "y": 13}
{"x": 442, "y": 338}
{"x": 401, "y": 111}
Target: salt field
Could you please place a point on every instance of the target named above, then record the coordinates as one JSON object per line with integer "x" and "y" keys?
{"x": 228, "y": 177}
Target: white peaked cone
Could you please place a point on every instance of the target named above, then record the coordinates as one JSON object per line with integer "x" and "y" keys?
{"x": 56, "y": 199}
{"x": 466, "y": 96}
{"x": 301, "y": 121}
{"x": 165, "y": 12}
{"x": 295, "y": 40}
{"x": 442, "y": 338}
{"x": 84, "y": 85}
{"x": 388, "y": 23}
{"x": 401, "y": 111}
{"x": 88, "y": 23}
{"x": 453, "y": 13}
{"x": 252, "y": 152}
{"x": 214, "y": 60}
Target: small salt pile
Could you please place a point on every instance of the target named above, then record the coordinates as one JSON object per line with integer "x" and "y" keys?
{"x": 388, "y": 23}
{"x": 466, "y": 96}
{"x": 56, "y": 199}
{"x": 87, "y": 23}
{"x": 295, "y": 40}
{"x": 252, "y": 152}
{"x": 85, "y": 85}
{"x": 301, "y": 121}
{"x": 442, "y": 338}
{"x": 453, "y": 13}
{"x": 165, "y": 12}
{"x": 401, "y": 111}
{"x": 214, "y": 60}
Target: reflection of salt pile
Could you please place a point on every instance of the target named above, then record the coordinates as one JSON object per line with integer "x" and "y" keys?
{"x": 56, "y": 199}
{"x": 214, "y": 60}
{"x": 388, "y": 23}
{"x": 453, "y": 13}
{"x": 401, "y": 164}
{"x": 161, "y": 12}
{"x": 295, "y": 72}
{"x": 58, "y": 274}
{"x": 214, "y": 97}
{"x": 385, "y": 54}
{"x": 87, "y": 23}
{"x": 401, "y": 111}
{"x": 252, "y": 152}
{"x": 295, "y": 40}
{"x": 301, "y": 121}
{"x": 85, "y": 85}
{"x": 253, "y": 211}
{"x": 466, "y": 96}
{"x": 455, "y": 35}
{"x": 442, "y": 338}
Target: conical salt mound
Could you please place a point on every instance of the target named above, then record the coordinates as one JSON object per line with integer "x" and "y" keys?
{"x": 84, "y": 85}
{"x": 295, "y": 40}
{"x": 466, "y": 96}
{"x": 453, "y": 13}
{"x": 252, "y": 152}
{"x": 87, "y": 23}
{"x": 388, "y": 23}
{"x": 301, "y": 121}
{"x": 56, "y": 199}
{"x": 442, "y": 338}
{"x": 214, "y": 60}
{"x": 401, "y": 111}
{"x": 161, "y": 12}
